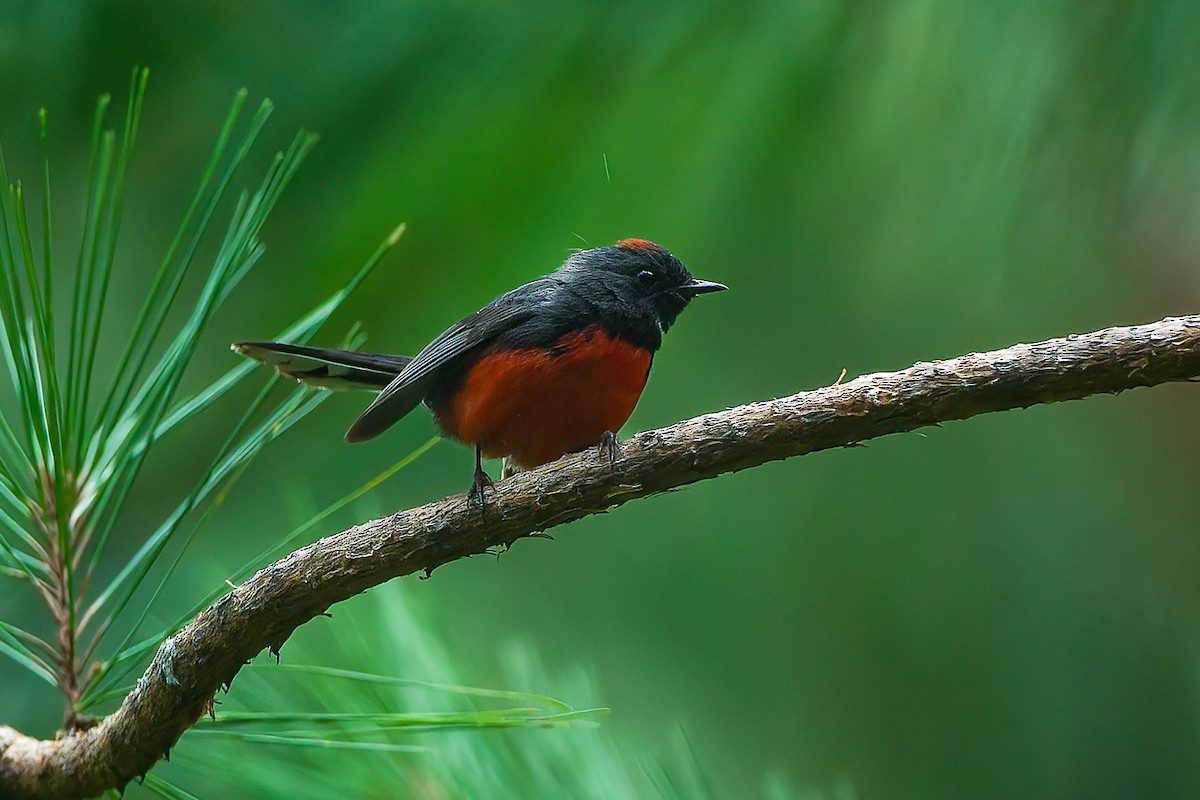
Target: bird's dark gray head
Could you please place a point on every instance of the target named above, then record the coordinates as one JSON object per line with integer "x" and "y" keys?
{"x": 638, "y": 276}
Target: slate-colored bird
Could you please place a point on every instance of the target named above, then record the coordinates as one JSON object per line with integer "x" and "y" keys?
{"x": 549, "y": 368}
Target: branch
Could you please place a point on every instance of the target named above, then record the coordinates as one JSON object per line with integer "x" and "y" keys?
{"x": 205, "y": 656}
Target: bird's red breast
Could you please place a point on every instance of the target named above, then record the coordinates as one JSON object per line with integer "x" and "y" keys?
{"x": 536, "y": 404}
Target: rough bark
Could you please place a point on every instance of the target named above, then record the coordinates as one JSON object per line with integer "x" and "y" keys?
{"x": 262, "y": 613}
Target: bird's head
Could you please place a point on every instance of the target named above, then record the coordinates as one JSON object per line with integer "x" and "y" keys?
{"x": 645, "y": 275}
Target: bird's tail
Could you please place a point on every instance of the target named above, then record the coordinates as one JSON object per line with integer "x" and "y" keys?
{"x": 326, "y": 368}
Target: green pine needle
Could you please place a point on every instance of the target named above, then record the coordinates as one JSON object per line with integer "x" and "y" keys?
{"x": 161, "y": 788}
{"x": 389, "y": 680}
{"x": 69, "y": 456}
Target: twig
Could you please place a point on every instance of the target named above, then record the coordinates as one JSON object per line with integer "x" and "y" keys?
{"x": 262, "y": 613}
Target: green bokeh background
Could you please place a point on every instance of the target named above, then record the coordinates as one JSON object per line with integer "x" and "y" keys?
{"x": 1002, "y": 607}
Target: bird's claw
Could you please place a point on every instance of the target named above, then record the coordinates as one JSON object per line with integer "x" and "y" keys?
{"x": 609, "y": 446}
{"x": 477, "y": 496}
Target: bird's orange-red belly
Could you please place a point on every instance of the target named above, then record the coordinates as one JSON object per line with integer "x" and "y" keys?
{"x": 534, "y": 405}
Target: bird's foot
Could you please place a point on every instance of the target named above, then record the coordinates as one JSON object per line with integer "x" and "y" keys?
{"x": 609, "y": 446}
{"x": 477, "y": 496}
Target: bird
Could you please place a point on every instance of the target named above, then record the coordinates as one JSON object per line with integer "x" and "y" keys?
{"x": 552, "y": 367}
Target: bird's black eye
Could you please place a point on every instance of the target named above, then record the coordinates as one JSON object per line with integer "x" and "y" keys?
{"x": 646, "y": 277}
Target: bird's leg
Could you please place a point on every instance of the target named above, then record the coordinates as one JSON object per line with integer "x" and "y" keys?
{"x": 480, "y": 484}
{"x": 609, "y": 446}
{"x": 509, "y": 468}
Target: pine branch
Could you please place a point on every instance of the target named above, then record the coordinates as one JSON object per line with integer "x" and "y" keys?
{"x": 206, "y": 655}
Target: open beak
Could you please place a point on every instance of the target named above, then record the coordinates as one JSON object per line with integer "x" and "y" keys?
{"x": 696, "y": 286}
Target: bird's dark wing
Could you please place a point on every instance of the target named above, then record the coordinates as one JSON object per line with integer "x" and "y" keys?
{"x": 409, "y": 388}
{"x": 326, "y": 368}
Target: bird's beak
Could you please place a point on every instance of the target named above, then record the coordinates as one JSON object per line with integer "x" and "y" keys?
{"x": 696, "y": 286}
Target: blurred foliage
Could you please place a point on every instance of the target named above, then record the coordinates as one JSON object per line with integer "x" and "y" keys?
{"x": 421, "y": 755}
{"x": 1001, "y": 607}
